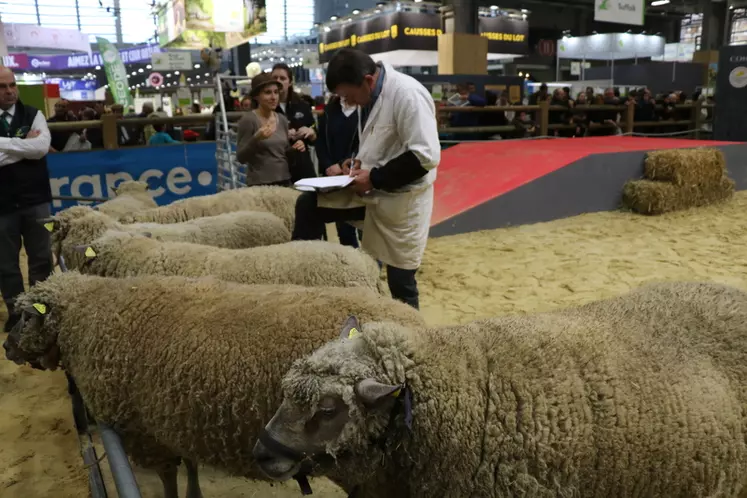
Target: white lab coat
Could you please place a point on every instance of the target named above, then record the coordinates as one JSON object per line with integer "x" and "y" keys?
{"x": 396, "y": 227}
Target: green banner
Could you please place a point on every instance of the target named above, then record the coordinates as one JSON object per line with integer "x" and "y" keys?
{"x": 116, "y": 74}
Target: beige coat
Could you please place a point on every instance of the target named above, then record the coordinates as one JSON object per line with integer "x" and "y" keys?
{"x": 397, "y": 223}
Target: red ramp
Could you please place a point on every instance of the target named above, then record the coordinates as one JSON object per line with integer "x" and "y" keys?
{"x": 490, "y": 185}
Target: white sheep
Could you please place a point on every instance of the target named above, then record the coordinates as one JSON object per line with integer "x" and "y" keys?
{"x": 236, "y": 230}
{"x": 131, "y": 197}
{"x": 308, "y": 263}
{"x": 180, "y": 367}
{"x": 280, "y": 201}
{"x": 641, "y": 395}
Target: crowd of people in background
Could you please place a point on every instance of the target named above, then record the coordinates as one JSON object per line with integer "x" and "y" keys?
{"x": 128, "y": 134}
{"x": 577, "y": 114}
{"x": 298, "y": 108}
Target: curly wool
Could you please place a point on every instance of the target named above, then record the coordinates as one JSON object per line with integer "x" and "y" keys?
{"x": 236, "y": 230}
{"x": 640, "y": 395}
{"x": 131, "y": 197}
{"x": 189, "y": 367}
{"x": 308, "y": 263}
{"x": 280, "y": 201}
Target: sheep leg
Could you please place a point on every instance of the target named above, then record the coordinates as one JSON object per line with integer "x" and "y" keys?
{"x": 168, "y": 479}
{"x": 193, "y": 480}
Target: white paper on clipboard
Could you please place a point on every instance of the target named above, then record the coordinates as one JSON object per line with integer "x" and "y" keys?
{"x": 323, "y": 183}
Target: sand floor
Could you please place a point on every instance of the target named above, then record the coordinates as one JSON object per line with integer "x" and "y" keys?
{"x": 521, "y": 269}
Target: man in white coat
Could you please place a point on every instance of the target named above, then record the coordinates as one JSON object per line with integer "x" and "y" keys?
{"x": 394, "y": 170}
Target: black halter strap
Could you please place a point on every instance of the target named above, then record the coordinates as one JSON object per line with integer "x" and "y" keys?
{"x": 276, "y": 446}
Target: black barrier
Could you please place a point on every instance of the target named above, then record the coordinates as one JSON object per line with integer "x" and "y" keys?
{"x": 418, "y": 31}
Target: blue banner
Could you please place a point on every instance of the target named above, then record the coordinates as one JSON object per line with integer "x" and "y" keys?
{"x": 172, "y": 172}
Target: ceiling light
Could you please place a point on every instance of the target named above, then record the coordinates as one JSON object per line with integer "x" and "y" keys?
{"x": 140, "y": 70}
{"x": 197, "y": 66}
{"x": 98, "y": 68}
{"x": 148, "y": 67}
{"x": 176, "y": 72}
{"x": 356, "y": 12}
{"x": 333, "y": 18}
{"x": 657, "y": 3}
{"x": 493, "y": 7}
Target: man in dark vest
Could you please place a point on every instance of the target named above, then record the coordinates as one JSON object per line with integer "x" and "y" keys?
{"x": 25, "y": 194}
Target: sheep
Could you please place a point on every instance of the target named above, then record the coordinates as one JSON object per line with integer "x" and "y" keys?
{"x": 280, "y": 201}
{"x": 307, "y": 263}
{"x": 641, "y": 395}
{"x": 131, "y": 197}
{"x": 236, "y": 230}
{"x": 182, "y": 367}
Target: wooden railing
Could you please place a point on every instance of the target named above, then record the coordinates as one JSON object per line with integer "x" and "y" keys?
{"x": 109, "y": 122}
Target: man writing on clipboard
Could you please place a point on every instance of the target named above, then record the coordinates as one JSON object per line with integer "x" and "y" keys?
{"x": 393, "y": 173}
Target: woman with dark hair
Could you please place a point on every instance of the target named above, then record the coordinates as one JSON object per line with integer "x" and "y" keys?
{"x": 338, "y": 140}
{"x": 263, "y": 139}
{"x": 301, "y": 121}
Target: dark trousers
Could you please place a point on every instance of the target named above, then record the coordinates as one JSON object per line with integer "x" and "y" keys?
{"x": 310, "y": 221}
{"x": 23, "y": 225}
{"x": 347, "y": 234}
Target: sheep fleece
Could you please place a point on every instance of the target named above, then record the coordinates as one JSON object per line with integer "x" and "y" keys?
{"x": 190, "y": 367}
{"x": 309, "y": 263}
{"x": 131, "y": 197}
{"x": 280, "y": 201}
{"x": 237, "y": 230}
{"x": 643, "y": 395}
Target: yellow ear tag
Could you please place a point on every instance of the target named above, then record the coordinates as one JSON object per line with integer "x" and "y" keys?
{"x": 396, "y": 393}
{"x": 353, "y": 332}
{"x": 41, "y": 308}
{"x": 49, "y": 226}
{"x": 90, "y": 253}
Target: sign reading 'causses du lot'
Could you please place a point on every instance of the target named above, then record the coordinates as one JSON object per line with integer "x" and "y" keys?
{"x": 418, "y": 31}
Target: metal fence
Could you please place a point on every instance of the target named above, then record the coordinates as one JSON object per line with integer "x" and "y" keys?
{"x": 124, "y": 478}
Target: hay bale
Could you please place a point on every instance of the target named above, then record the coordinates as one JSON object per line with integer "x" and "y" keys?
{"x": 699, "y": 166}
{"x": 650, "y": 197}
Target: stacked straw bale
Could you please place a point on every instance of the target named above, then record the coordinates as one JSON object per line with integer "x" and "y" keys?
{"x": 678, "y": 179}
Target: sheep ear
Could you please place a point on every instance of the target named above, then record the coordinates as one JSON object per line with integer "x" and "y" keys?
{"x": 36, "y": 309}
{"x": 372, "y": 392}
{"x": 50, "y": 223}
{"x": 87, "y": 250}
{"x": 350, "y": 328}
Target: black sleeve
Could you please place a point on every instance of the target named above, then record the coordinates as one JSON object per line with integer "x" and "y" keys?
{"x": 400, "y": 171}
{"x": 322, "y": 154}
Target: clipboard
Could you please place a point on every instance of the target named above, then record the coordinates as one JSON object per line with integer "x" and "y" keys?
{"x": 323, "y": 183}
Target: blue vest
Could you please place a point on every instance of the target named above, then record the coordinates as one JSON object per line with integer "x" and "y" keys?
{"x": 25, "y": 183}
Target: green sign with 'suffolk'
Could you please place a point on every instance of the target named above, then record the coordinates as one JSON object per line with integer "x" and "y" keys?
{"x": 116, "y": 74}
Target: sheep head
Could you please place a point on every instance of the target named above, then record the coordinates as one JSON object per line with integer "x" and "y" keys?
{"x": 336, "y": 401}
{"x": 59, "y": 225}
{"x": 31, "y": 340}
